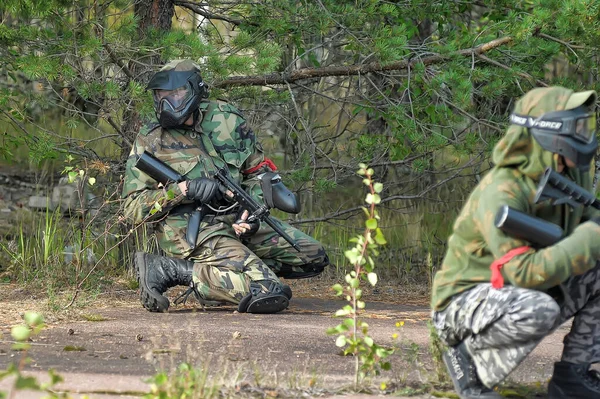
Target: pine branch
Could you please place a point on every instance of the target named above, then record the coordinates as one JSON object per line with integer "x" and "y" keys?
{"x": 521, "y": 74}
{"x": 309, "y": 73}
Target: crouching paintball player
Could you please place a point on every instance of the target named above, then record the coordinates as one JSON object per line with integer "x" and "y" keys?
{"x": 497, "y": 295}
{"x": 203, "y": 166}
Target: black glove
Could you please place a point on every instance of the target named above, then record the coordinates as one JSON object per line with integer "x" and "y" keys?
{"x": 203, "y": 190}
{"x": 254, "y": 225}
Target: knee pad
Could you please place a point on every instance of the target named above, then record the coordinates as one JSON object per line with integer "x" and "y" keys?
{"x": 265, "y": 297}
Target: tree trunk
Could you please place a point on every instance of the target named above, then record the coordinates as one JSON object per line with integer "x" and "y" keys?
{"x": 157, "y": 15}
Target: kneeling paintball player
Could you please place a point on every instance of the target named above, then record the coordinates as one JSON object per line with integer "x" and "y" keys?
{"x": 496, "y": 296}
{"x": 203, "y": 165}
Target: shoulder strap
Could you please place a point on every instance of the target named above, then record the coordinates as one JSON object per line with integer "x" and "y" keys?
{"x": 149, "y": 127}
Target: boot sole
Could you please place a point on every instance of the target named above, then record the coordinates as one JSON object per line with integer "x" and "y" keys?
{"x": 149, "y": 300}
{"x": 272, "y": 304}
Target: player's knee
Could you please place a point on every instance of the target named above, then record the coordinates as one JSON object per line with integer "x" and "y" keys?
{"x": 536, "y": 316}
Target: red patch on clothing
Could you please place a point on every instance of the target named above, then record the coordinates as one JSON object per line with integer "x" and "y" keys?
{"x": 497, "y": 280}
{"x": 267, "y": 162}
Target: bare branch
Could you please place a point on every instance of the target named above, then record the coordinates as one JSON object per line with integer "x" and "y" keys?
{"x": 421, "y": 195}
{"x": 202, "y": 11}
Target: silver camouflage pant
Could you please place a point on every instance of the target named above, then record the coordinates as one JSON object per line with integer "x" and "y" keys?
{"x": 500, "y": 327}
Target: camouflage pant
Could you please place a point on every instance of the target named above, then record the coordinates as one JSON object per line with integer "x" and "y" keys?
{"x": 224, "y": 266}
{"x": 281, "y": 257}
{"x": 500, "y": 327}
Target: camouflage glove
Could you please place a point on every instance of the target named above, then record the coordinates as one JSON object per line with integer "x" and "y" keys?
{"x": 254, "y": 225}
{"x": 203, "y": 190}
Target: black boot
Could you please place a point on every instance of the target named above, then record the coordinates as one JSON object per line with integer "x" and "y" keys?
{"x": 266, "y": 296}
{"x": 464, "y": 375}
{"x": 156, "y": 274}
{"x": 573, "y": 381}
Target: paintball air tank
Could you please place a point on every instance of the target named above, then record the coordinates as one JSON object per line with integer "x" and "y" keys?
{"x": 520, "y": 225}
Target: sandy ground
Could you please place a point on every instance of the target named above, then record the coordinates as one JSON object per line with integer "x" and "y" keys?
{"x": 109, "y": 347}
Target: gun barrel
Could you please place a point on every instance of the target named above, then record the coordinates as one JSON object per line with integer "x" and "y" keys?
{"x": 526, "y": 227}
{"x": 282, "y": 233}
{"x": 568, "y": 188}
{"x": 163, "y": 173}
{"x": 157, "y": 169}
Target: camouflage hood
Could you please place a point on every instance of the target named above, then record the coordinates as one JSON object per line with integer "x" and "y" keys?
{"x": 518, "y": 149}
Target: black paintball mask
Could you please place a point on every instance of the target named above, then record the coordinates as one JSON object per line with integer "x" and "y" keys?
{"x": 570, "y": 133}
{"x": 276, "y": 194}
{"x": 177, "y": 95}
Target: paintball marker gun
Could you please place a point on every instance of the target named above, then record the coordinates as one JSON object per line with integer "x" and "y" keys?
{"x": 562, "y": 190}
{"x": 526, "y": 227}
{"x": 164, "y": 174}
{"x": 276, "y": 196}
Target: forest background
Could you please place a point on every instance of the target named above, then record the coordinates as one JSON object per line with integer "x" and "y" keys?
{"x": 418, "y": 90}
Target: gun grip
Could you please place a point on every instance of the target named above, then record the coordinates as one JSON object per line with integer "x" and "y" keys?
{"x": 193, "y": 227}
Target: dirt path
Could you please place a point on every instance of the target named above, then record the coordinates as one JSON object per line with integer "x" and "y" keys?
{"x": 111, "y": 350}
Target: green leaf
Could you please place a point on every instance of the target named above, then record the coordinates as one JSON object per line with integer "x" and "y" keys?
{"x": 26, "y": 383}
{"x": 341, "y": 312}
{"x": 54, "y": 377}
{"x": 351, "y": 255}
{"x": 371, "y": 224}
{"x": 161, "y": 379}
{"x": 338, "y": 289}
{"x": 331, "y": 331}
{"x": 20, "y": 346}
{"x": 72, "y": 175}
{"x": 379, "y": 238}
{"x": 378, "y": 187}
{"x": 33, "y": 319}
{"x": 340, "y": 341}
{"x": 368, "y": 341}
{"x": 20, "y": 332}
{"x": 372, "y": 277}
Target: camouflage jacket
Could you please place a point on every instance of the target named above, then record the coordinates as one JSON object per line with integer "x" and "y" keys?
{"x": 221, "y": 138}
{"x": 475, "y": 241}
